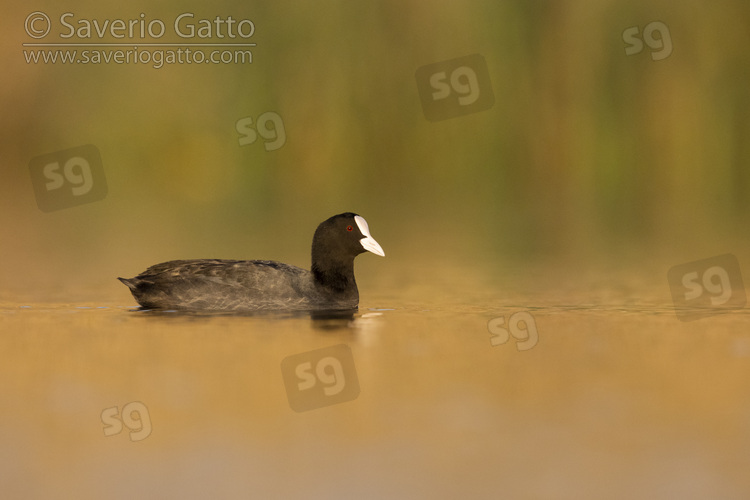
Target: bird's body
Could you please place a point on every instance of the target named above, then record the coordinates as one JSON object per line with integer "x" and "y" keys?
{"x": 232, "y": 285}
{"x": 253, "y": 285}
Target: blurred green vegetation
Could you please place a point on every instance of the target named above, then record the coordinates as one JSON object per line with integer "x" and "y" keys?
{"x": 586, "y": 152}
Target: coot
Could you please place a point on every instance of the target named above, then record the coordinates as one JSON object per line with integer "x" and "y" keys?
{"x": 252, "y": 285}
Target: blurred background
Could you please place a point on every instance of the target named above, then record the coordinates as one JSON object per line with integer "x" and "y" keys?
{"x": 586, "y": 154}
{"x": 607, "y": 143}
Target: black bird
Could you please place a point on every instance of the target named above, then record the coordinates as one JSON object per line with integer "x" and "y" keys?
{"x": 253, "y": 285}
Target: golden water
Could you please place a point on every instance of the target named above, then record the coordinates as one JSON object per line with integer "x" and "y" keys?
{"x": 617, "y": 398}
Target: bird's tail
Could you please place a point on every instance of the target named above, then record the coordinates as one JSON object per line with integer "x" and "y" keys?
{"x": 128, "y": 282}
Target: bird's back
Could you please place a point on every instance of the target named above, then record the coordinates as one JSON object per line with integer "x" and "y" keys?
{"x": 227, "y": 285}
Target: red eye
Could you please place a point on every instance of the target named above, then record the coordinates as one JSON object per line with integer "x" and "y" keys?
{"x": 349, "y": 228}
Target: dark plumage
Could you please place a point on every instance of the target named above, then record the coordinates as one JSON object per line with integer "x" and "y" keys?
{"x": 252, "y": 285}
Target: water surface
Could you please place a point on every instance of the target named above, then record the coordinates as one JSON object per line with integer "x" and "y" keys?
{"x": 617, "y": 398}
